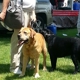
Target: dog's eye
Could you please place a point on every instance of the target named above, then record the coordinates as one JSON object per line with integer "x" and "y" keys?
{"x": 19, "y": 32}
{"x": 25, "y": 32}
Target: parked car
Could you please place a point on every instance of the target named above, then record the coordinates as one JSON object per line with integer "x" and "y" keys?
{"x": 43, "y": 12}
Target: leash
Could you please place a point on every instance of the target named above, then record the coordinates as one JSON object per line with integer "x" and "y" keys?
{"x": 36, "y": 25}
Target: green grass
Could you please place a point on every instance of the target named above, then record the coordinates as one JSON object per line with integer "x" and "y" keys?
{"x": 69, "y": 32}
{"x": 64, "y": 69}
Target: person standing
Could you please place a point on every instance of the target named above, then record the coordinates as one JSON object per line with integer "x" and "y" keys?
{"x": 76, "y": 5}
{"x": 60, "y": 3}
{"x": 53, "y": 3}
{"x": 29, "y": 13}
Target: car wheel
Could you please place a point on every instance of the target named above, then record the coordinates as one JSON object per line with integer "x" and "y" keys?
{"x": 42, "y": 22}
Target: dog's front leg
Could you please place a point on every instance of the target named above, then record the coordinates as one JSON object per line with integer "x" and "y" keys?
{"x": 37, "y": 68}
{"x": 25, "y": 62}
{"x": 74, "y": 59}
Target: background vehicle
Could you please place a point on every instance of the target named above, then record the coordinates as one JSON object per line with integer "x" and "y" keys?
{"x": 43, "y": 12}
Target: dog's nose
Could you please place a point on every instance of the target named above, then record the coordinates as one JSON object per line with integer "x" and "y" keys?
{"x": 18, "y": 36}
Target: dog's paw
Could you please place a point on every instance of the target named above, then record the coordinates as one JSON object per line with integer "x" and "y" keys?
{"x": 32, "y": 67}
{"x": 21, "y": 75}
{"x": 36, "y": 75}
{"x": 51, "y": 70}
{"x": 44, "y": 69}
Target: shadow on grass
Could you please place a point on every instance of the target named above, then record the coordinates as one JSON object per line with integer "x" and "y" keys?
{"x": 12, "y": 77}
{"x": 4, "y": 68}
{"x": 28, "y": 73}
{"x": 5, "y": 39}
{"x": 68, "y": 69}
{"x": 4, "y": 34}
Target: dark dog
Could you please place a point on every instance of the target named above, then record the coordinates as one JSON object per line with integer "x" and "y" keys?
{"x": 61, "y": 47}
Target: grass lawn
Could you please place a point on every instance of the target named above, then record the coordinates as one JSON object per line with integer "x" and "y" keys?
{"x": 64, "y": 69}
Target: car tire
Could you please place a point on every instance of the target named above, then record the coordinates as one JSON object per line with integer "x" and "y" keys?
{"x": 42, "y": 22}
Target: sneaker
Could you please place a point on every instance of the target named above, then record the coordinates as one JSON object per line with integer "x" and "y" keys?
{"x": 16, "y": 71}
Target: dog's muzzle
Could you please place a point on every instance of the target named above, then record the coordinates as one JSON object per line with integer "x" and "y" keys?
{"x": 21, "y": 41}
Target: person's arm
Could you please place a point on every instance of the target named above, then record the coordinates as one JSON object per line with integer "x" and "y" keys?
{"x": 33, "y": 18}
{"x": 34, "y": 15}
{"x": 4, "y": 8}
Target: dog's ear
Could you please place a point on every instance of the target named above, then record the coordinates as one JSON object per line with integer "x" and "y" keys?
{"x": 32, "y": 33}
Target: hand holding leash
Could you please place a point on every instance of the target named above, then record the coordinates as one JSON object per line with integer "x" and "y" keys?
{"x": 2, "y": 16}
{"x": 36, "y": 25}
{"x": 33, "y": 18}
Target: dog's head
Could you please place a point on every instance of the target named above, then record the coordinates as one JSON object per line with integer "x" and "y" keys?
{"x": 25, "y": 34}
{"x": 46, "y": 33}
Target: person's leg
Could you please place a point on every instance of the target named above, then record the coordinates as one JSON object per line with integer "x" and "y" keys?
{"x": 15, "y": 53}
{"x": 16, "y": 50}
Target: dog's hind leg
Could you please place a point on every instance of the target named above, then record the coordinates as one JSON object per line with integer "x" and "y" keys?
{"x": 75, "y": 61}
{"x": 44, "y": 52}
{"x": 32, "y": 64}
{"x": 53, "y": 62}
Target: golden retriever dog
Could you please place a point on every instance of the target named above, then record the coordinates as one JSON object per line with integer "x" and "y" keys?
{"x": 33, "y": 46}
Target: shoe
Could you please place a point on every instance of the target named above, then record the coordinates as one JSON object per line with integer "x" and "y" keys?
{"x": 16, "y": 71}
